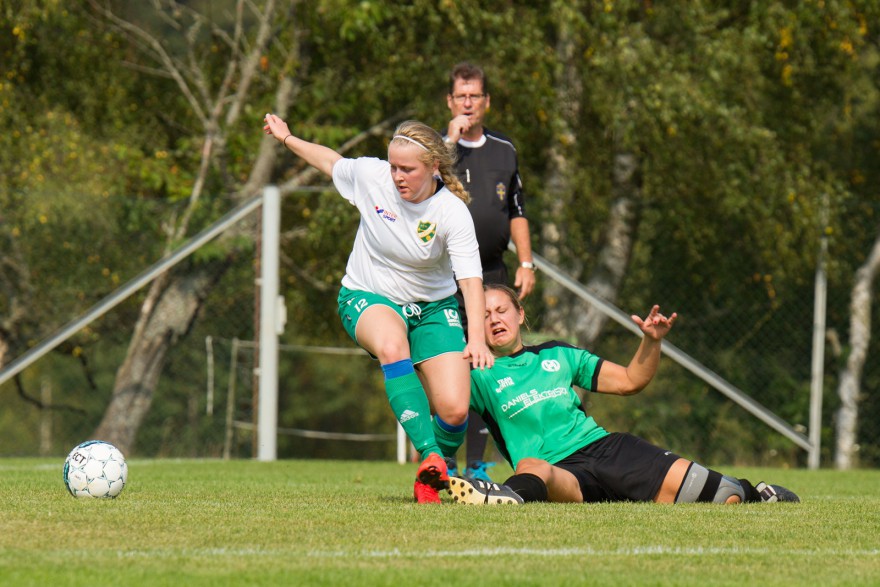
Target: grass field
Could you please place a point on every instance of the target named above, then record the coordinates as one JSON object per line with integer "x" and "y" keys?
{"x": 353, "y": 523}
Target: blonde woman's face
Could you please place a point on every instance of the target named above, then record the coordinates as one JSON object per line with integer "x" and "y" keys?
{"x": 413, "y": 179}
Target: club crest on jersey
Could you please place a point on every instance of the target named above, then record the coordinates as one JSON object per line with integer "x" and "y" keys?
{"x": 550, "y": 365}
{"x": 500, "y": 190}
{"x": 426, "y": 231}
{"x": 386, "y": 214}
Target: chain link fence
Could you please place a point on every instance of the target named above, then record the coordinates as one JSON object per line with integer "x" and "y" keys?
{"x": 332, "y": 400}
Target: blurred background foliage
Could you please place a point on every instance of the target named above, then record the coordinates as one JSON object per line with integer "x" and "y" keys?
{"x": 755, "y": 125}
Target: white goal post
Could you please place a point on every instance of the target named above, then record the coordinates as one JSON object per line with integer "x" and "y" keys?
{"x": 273, "y": 317}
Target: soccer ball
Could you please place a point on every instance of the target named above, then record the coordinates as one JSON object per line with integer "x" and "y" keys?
{"x": 95, "y": 469}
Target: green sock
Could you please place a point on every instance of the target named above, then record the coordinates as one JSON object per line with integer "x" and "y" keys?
{"x": 411, "y": 408}
{"x": 449, "y": 437}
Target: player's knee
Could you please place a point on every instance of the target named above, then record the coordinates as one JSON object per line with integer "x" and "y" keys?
{"x": 391, "y": 351}
{"x": 729, "y": 491}
{"x": 706, "y": 485}
{"x": 528, "y": 486}
{"x": 538, "y": 467}
{"x": 452, "y": 415}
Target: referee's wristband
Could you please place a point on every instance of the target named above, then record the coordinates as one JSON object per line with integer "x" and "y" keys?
{"x": 528, "y": 265}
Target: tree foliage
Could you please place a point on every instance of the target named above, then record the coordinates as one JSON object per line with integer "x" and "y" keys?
{"x": 753, "y": 125}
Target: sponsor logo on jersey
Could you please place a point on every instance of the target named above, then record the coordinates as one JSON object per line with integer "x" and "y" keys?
{"x": 550, "y": 365}
{"x": 526, "y": 400}
{"x": 503, "y": 383}
{"x": 386, "y": 214}
{"x": 426, "y": 230}
{"x": 500, "y": 190}
{"x": 452, "y": 317}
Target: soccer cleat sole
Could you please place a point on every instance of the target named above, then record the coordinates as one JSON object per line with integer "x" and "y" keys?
{"x": 474, "y": 492}
{"x": 776, "y": 493}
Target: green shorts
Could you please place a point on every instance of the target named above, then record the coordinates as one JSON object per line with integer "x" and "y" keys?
{"x": 433, "y": 328}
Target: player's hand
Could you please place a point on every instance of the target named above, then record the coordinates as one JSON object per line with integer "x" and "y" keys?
{"x": 656, "y": 325}
{"x": 479, "y": 355}
{"x": 524, "y": 282}
{"x": 457, "y": 127}
{"x": 276, "y": 127}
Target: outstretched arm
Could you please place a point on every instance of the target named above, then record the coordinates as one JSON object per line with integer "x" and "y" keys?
{"x": 633, "y": 378}
{"x": 318, "y": 156}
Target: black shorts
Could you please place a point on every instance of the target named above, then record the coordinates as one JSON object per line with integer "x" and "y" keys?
{"x": 619, "y": 467}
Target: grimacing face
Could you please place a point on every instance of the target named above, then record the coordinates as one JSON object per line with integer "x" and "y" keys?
{"x": 413, "y": 179}
{"x": 503, "y": 322}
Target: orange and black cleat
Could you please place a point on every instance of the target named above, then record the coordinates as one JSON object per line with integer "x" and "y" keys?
{"x": 431, "y": 477}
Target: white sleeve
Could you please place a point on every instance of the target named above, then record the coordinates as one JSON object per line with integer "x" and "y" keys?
{"x": 461, "y": 243}
{"x": 344, "y": 174}
{"x": 355, "y": 178}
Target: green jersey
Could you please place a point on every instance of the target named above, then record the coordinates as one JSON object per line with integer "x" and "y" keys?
{"x": 530, "y": 406}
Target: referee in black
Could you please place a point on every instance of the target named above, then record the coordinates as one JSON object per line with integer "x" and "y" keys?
{"x": 487, "y": 166}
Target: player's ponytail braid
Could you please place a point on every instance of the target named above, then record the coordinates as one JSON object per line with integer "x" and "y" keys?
{"x": 434, "y": 150}
{"x": 453, "y": 184}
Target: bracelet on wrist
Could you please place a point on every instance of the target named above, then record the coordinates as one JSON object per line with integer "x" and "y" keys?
{"x": 527, "y": 265}
{"x": 284, "y": 142}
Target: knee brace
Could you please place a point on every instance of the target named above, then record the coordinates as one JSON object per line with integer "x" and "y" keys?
{"x": 702, "y": 484}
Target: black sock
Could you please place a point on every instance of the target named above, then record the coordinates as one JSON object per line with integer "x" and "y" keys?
{"x": 752, "y": 494}
{"x": 476, "y": 438}
{"x": 529, "y": 487}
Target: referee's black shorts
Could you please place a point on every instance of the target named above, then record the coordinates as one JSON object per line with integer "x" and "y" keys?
{"x": 619, "y": 467}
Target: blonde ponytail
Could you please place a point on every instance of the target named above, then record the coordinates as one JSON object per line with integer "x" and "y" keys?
{"x": 453, "y": 184}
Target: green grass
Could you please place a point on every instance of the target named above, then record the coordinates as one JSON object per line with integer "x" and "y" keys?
{"x": 353, "y": 523}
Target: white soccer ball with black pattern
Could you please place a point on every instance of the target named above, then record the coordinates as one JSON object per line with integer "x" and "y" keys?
{"x": 95, "y": 469}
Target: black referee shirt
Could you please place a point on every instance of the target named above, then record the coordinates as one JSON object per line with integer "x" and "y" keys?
{"x": 490, "y": 174}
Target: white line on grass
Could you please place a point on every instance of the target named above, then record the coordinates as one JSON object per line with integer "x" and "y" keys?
{"x": 646, "y": 550}
{"x": 649, "y": 550}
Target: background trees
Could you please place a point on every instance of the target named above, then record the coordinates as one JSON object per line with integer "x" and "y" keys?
{"x": 672, "y": 153}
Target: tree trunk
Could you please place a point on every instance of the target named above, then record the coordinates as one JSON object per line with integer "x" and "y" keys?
{"x": 614, "y": 256}
{"x": 566, "y": 314}
{"x": 15, "y": 286}
{"x": 561, "y": 163}
{"x": 167, "y": 314}
{"x": 851, "y": 375}
{"x": 173, "y": 301}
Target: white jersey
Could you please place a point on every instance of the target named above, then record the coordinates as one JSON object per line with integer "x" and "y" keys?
{"x": 406, "y": 252}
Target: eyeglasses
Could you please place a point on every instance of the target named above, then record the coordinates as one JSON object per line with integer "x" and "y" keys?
{"x": 462, "y": 98}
